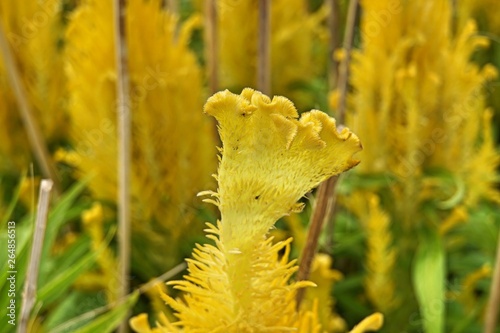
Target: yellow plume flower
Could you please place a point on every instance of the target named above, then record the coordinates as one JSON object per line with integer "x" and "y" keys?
{"x": 293, "y": 29}
{"x": 32, "y": 28}
{"x": 370, "y": 323}
{"x": 418, "y": 100}
{"x": 478, "y": 8}
{"x": 105, "y": 276}
{"x": 270, "y": 159}
{"x": 324, "y": 277}
{"x": 467, "y": 296}
{"x": 381, "y": 257}
{"x": 172, "y": 144}
{"x": 381, "y": 254}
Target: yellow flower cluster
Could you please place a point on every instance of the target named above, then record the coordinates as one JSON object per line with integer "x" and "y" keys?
{"x": 32, "y": 28}
{"x": 270, "y": 159}
{"x": 294, "y": 33}
{"x": 172, "y": 143}
{"x": 418, "y": 104}
{"x": 413, "y": 108}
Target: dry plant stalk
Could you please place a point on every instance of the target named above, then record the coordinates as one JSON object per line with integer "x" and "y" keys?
{"x": 264, "y": 48}
{"x": 124, "y": 130}
{"x": 334, "y": 26}
{"x": 212, "y": 42}
{"x": 173, "y": 6}
{"x": 323, "y": 210}
{"x": 29, "y": 293}
{"x": 33, "y": 130}
{"x": 494, "y": 300}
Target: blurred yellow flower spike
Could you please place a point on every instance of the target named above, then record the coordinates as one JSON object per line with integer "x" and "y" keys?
{"x": 270, "y": 159}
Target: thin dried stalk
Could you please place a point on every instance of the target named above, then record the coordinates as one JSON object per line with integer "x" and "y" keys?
{"x": 324, "y": 207}
{"x": 491, "y": 320}
{"x": 344, "y": 66}
{"x": 212, "y": 44}
{"x": 29, "y": 293}
{"x": 33, "y": 131}
{"x": 322, "y": 210}
{"x": 334, "y": 26}
{"x": 333, "y": 81}
{"x": 173, "y": 6}
{"x": 264, "y": 48}
{"x": 124, "y": 133}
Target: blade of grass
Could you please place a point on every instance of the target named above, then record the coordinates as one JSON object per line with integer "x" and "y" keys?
{"x": 59, "y": 215}
{"x": 109, "y": 321}
{"x": 429, "y": 279}
{"x": 29, "y": 294}
{"x": 64, "y": 278}
{"x": 96, "y": 312}
{"x": 12, "y": 204}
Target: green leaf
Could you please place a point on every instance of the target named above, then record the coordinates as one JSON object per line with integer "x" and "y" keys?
{"x": 12, "y": 205}
{"x": 70, "y": 307}
{"x": 58, "y": 216}
{"x": 60, "y": 283}
{"x": 23, "y": 237}
{"x": 109, "y": 321}
{"x": 429, "y": 281}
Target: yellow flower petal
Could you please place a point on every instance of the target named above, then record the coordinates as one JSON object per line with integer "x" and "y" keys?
{"x": 371, "y": 323}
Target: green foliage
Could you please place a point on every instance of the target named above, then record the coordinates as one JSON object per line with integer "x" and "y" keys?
{"x": 57, "y": 273}
{"x": 429, "y": 281}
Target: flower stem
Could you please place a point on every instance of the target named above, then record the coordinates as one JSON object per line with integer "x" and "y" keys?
{"x": 324, "y": 208}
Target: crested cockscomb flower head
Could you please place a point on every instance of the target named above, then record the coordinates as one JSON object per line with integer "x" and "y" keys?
{"x": 269, "y": 159}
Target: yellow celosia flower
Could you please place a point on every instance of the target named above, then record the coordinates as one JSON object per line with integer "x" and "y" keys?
{"x": 418, "y": 100}
{"x": 105, "y": 277}
{"x": 294, "y": 32}
{"x": 458, "y": 215}
{"x": 172, "y": 144}
{"x": 270, "y": 159}
{"x": 371, "y": 323}
{"x": 32, "y": 28}
{"x": 324, "y": 277}
{"x": 476, "y": 8}
{"x": 380, "y": 254}
{"x": 468, "y": 296}
{"x": 381, "y": 257}
{"x": 157, "y": 304}
{"x": 418, "y": 104}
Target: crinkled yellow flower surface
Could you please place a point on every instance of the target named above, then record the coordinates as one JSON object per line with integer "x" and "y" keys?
{"x": 270, "y": 159}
